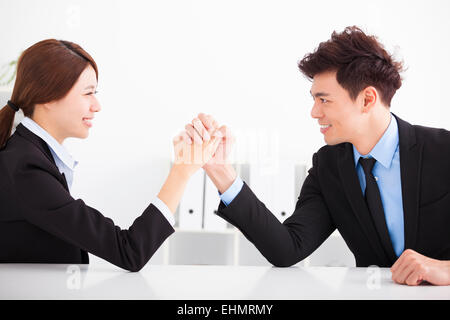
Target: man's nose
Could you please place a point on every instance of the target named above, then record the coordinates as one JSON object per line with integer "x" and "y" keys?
{"x": 316, "y": 111}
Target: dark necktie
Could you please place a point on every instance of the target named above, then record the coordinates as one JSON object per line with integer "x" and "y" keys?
{"x": 375, "y": 206}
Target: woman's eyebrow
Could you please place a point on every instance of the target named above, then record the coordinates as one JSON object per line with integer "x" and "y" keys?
{"x": 90, "y": 87}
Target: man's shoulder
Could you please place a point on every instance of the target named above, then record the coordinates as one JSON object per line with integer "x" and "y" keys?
{"x": 327, "y": 157}
{"x": 432, "y": 135}
{"x": 328, "y": 151}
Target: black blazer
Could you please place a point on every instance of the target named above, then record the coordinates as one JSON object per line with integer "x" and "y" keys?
{"x": 331, "y": 197}
{"x": 41, "y": 223}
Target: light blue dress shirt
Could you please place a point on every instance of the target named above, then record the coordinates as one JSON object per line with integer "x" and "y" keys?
{"x": 232, "y": 191}
{"x": 66, "y": 163}
{"x": 387, "y": 172}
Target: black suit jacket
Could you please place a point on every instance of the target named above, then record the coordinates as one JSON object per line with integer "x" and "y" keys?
{"x": 41, "y": 223}
{"x": 331, "y": 197}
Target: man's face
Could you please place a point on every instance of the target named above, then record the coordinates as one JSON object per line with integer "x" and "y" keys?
{"x": 334, "y": 108}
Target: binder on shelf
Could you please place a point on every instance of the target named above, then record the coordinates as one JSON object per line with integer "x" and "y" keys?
{"x": 283, "y": 186}
{"x": 211, "y": 221}
{"x": 190, "y": 210}
{"x": 274, "y": 185}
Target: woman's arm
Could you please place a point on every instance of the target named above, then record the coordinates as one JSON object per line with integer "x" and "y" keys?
{"x": 43, "y": 201}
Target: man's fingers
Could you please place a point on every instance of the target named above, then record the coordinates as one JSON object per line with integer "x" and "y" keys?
{"x": 193, "y": 134}
{"x": 224, "y": 130}
{"x": 415, "y": 278}
{"x": 403, "y": 274}
{"x": 398, "y": 262}
{"x": 214, "y": 143}
{"x": 216, "y": 138}
{"x": 202, "y": 131}
{"x": 208, "y": 121}
{"x": 395, "y": 265}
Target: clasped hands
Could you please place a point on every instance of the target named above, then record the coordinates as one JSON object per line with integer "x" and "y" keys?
{"x": 202, "y": 143}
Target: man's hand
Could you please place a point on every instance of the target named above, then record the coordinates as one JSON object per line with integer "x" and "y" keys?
{"x": 412, "y": 268}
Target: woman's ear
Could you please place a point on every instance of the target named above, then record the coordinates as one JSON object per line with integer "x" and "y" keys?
{"x": 48, "y": 106}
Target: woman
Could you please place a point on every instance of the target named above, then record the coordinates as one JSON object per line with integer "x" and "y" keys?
{"x": 39, "y": 220}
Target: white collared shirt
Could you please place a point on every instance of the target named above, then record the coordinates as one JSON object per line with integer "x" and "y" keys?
{"x": 66, "y": 163}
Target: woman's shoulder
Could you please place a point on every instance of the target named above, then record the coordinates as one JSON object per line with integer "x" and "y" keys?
{"x": 20, "y": 152}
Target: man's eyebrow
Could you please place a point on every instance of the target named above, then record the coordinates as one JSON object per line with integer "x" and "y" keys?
{"x": 319, "y": 94}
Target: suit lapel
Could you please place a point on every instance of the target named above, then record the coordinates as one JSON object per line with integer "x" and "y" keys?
{"x": 347, "y": 171}
{"x": 410, "y": 164}
{"x": 43, "y": 147}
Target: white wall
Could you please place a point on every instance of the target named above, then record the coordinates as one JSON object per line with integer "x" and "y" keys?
{"x": 162, "y": 62}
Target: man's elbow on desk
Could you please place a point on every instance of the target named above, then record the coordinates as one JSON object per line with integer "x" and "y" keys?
{"x": 283, "y": 261}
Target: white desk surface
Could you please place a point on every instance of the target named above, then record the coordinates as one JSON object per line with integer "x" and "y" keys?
{"x": 175, "y": 282}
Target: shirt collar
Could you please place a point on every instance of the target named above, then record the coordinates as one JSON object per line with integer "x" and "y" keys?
{"x": 54, "y": 145}
{"x": 385, "y": 148}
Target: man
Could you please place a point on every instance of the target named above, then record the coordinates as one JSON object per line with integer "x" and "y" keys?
{"x": 382, "y": 182}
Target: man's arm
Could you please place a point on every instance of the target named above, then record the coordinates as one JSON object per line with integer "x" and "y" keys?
{"x": 282, "y": 244}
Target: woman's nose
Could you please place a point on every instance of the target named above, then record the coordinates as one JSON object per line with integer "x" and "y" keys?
{"x": 96, "y": 107}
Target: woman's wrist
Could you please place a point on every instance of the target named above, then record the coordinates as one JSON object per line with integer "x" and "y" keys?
{"x": 172, "y": 190}
{"x": 183, "y": 171}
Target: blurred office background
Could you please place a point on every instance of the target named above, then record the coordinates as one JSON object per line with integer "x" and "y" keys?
{"x": 162, "y": 62}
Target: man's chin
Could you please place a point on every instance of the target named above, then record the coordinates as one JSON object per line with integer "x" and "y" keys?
{"x": 332, "y": 142}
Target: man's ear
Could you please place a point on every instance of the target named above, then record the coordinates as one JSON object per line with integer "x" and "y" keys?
{"x": 369, "y": 97}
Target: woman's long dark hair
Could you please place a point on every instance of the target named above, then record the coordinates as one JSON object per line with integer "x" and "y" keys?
{"x": 46, "y": 72}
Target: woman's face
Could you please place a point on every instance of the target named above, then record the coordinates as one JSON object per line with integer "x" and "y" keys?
{"x": 72, "y": 115}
